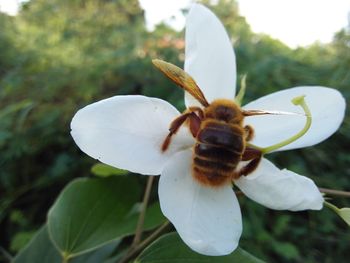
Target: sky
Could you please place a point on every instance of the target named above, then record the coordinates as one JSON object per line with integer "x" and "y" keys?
{"x": 294, "y": 22}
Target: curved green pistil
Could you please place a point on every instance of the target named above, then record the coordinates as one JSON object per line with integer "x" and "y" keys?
{"x": 296, "y": 101}
{"x": 240, "y": 95}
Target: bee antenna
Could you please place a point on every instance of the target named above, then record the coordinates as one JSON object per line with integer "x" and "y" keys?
{"x": 248, "y": 113}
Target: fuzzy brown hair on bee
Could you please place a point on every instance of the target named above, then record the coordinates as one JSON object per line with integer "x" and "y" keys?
{"x": 220, "y": 143}
{"x": 221, "y": 137}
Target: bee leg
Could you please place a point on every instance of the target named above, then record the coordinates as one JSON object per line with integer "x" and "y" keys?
{"x": 198, "y": 110}
{"x": 253, "y": 156}
{"x": 194, "y": 124}
{"x": 174, "y": 127}
{"x": 249, "y": 132}
{"x": 195, "y": 119}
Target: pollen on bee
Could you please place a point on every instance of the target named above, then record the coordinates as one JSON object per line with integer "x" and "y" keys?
{"x": 249, "y": 133}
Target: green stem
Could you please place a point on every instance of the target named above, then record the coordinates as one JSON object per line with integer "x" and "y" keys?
{"x": 331, "y": 206}
{"x": 296, "y": 101}
{"x": 65, "y": 257}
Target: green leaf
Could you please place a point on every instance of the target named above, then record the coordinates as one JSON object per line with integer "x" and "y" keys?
{"x": 92, "y": 212}
{"x": 39, "y": 249}
{"x": 344, "y": 213}
{"x": 153, "y": 218}
{"x": 170, "y": 248}
{"x": 285, "y": 249}
{"x": 104, "y": 170}
{"x": 99, "y": 255}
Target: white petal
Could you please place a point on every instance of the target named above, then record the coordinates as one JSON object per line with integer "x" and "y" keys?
{"x": 127, "y": 132}
{"x": 327, "y": 107}
{"x": 207, "y": 219}
{"x": 280, "y": 189}
{"x": 210, "y": 58}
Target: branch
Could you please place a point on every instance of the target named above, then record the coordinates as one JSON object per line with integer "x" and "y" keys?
{"x": 136, "y": 250}
{"x": 139, "y": 227}
{"x": 334, "y": 192}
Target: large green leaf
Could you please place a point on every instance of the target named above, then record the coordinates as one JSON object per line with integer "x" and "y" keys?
{"x": 92, "y": 212}
{"x": 99, "y": 255}
{"x": 39, "y": 249}
{"x": 153, "y": 217}
{"x": 170, "y": 248}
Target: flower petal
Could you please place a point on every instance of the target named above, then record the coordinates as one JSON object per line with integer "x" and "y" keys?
{"x": 127, "y": 132}
{"x": 280, "y": 189}
{"x": 327, "y": 108}
{"x": 208, "y": 219}
{"x": 210, "y": 58}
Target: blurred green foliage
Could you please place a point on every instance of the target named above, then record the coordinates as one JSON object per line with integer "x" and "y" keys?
{"x": 58, "y": 55}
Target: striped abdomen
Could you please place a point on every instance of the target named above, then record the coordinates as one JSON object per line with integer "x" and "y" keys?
{"x": 217, "y": 152}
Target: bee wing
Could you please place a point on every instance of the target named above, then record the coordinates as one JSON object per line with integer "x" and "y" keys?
{"x": 248, "y": 113}
{"x": 182, "y": 79}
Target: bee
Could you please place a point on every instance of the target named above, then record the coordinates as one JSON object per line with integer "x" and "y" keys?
{"x": 221, "y": 137}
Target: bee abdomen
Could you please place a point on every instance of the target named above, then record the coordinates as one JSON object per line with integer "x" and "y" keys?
{"x": 225, "y": 136}
{"x": 210, "y": 176}
{"x": 217, "y": 153}
{"x": 213, "y": 165}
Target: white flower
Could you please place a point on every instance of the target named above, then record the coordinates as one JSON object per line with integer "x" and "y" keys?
{"x": 128, "y": 131}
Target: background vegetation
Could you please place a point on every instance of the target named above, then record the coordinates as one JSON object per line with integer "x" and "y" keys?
{"x": 57, "y": 56}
